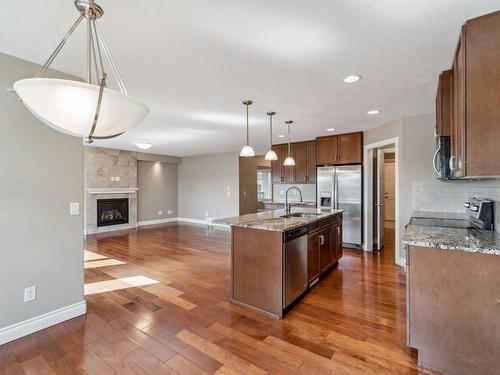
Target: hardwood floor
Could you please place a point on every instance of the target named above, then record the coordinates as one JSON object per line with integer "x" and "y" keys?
{"x": 158, "y": 303}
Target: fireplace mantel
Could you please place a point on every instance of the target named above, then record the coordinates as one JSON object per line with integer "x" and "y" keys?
{"x": 112, "y": 190}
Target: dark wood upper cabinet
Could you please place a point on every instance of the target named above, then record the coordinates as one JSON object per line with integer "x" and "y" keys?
{"x": 350, "y": 148}
{"x": 340, "y": 149}
{"x": 276, "y": 165}
{"x": 326, "y": 150}
{"x": 299, "y": 151}
{"x": 311, "y": 161}
{"x": 479, "y": 59}
{"x": 444, "y": 103}
{"x": 475, "y": 87}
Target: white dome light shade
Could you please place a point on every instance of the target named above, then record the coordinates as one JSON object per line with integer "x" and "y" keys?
{"x": 289, "y": 161}
{"x": 271, "y": 155}
{"x": 143, "y": 145}
{"x": 247, "y": 151}
{"x": 70, "y": 106}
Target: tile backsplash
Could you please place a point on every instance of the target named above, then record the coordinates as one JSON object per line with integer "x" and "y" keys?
{"x": 308, "y": 192}
{"x": 449, "y": 196}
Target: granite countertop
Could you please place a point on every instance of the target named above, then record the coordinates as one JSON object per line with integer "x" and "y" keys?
{"x": 459, "y": 239}
{"x": 272, "y": 220}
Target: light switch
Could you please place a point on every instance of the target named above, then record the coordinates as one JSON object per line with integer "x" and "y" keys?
{"x": 117, "y": 178}
{"x": 74, "y": 208}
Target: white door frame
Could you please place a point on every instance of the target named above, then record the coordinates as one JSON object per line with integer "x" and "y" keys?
{"x": 368, "y": 196}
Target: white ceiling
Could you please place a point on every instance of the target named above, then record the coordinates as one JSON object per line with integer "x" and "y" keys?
{"x": 193, "y": 61}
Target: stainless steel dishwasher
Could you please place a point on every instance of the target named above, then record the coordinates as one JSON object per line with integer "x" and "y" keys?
{"x": 295, "y": 264}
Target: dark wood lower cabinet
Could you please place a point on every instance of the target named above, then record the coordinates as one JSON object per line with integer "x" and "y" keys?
{"x": 313, "y": 270}
{"x": 324, "y": 247}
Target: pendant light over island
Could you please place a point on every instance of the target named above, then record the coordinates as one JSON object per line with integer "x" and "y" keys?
{"x": 289, "y": 160}
{"x": 271, "y": 155}
{"x": 247, "y": 150}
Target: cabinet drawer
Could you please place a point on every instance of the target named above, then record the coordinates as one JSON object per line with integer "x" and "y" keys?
{"x": 313, "y": 226}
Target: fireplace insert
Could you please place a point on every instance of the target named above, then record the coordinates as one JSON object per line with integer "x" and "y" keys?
{"x": 112, "y": 211}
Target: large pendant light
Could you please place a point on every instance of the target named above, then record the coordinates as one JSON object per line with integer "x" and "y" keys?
{"x": 271, "y": 155}
{"x": 247, "y": 150}
{"x": 289, "y": 160}
{"x": 89, "y": 110}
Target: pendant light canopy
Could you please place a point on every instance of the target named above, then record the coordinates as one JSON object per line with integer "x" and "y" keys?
{"x": 247, "y": 150}
{"x": 289, "y": 160}
{"x": 89, "y": 110}
{"x": 271, "y": 155}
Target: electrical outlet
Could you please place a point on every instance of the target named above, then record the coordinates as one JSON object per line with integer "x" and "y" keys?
{"x": 169, "y": 212}
{"x": 160, "y": 213}
{"x": 74, "y": 208}
{"x": 282, "y": 192}
{"x": 117, "y": 178}
{"x": 30, "y": 294}
{"x": 206, "y": 213}
{"x": 229, "y": 193}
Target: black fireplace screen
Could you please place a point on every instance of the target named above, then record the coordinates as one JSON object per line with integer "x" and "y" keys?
{"x": 112, "y": 212}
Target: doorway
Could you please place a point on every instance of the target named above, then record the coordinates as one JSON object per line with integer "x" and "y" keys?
{"x": 381, "y": 198}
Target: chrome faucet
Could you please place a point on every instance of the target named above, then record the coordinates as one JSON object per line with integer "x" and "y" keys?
{"x": 288, "y": 206}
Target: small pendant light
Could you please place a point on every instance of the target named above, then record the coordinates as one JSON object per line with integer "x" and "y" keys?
{"x": 271, "y": 155}
{"x": 247, "y": 150}
{"x": 289, "y": 160}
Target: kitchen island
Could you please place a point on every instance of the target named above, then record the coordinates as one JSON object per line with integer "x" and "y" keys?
{"x": 276, "y": 257}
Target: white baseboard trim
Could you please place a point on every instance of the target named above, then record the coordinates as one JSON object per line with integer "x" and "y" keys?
{"x": 157, "y": 221}
{"x": 40, "y": 322}
{"x": 199, "y": 221}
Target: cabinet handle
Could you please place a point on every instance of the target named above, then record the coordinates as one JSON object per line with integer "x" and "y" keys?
{"x": 434, "y": 160}
{"x": 322, "y": 240}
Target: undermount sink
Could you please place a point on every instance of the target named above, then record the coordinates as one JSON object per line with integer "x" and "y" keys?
{"x": 301, "y": 214}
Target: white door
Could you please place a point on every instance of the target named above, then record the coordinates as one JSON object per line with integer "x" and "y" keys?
{"x": 379, "y": 201}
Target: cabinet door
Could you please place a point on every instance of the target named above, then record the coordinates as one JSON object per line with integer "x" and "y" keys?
{"x": 276, "y": 165}
{"x": 482, "y": 95}
{"x": 444, "y": 103}
{"x": 299, "y": 151}
{"x": 324, "y": 249}
{"x": 457, "y": 162}
{"x": 326, "y": 150}
{"x": 439, "y": 113}
{"x": 313, "y": 269}
{"x": 288, "y": 170}
{"x": 336, "y": 242}
{"x": 311, "y": 161}
{"x": 350, "y": 148}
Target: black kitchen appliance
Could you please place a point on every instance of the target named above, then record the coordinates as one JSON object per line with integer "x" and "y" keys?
{"x": 441, "y": 160}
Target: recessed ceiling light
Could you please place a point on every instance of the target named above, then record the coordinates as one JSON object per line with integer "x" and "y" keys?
{"x": 330, "y": 129}
{"x": 281, "y": 136}
{"x": 374, "y": 112}
{"x": 352, "y": 79}
{"x": 143, "y": 145}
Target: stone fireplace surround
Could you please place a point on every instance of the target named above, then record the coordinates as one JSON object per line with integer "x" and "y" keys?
{"x": 109, "y": 174}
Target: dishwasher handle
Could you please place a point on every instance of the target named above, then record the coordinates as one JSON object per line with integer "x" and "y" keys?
{"x": 294, "y": 233}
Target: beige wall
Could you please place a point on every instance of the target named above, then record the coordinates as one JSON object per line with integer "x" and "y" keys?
{"x": 208, "y": 186}
{"x": 248, "y": 183}
{"x": 41, "y": 173}
{"x": 416, "y": 146}
{"x": 157, "y": 194}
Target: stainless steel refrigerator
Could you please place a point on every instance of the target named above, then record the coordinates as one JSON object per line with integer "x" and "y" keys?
{"x": 340, "y": 188}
